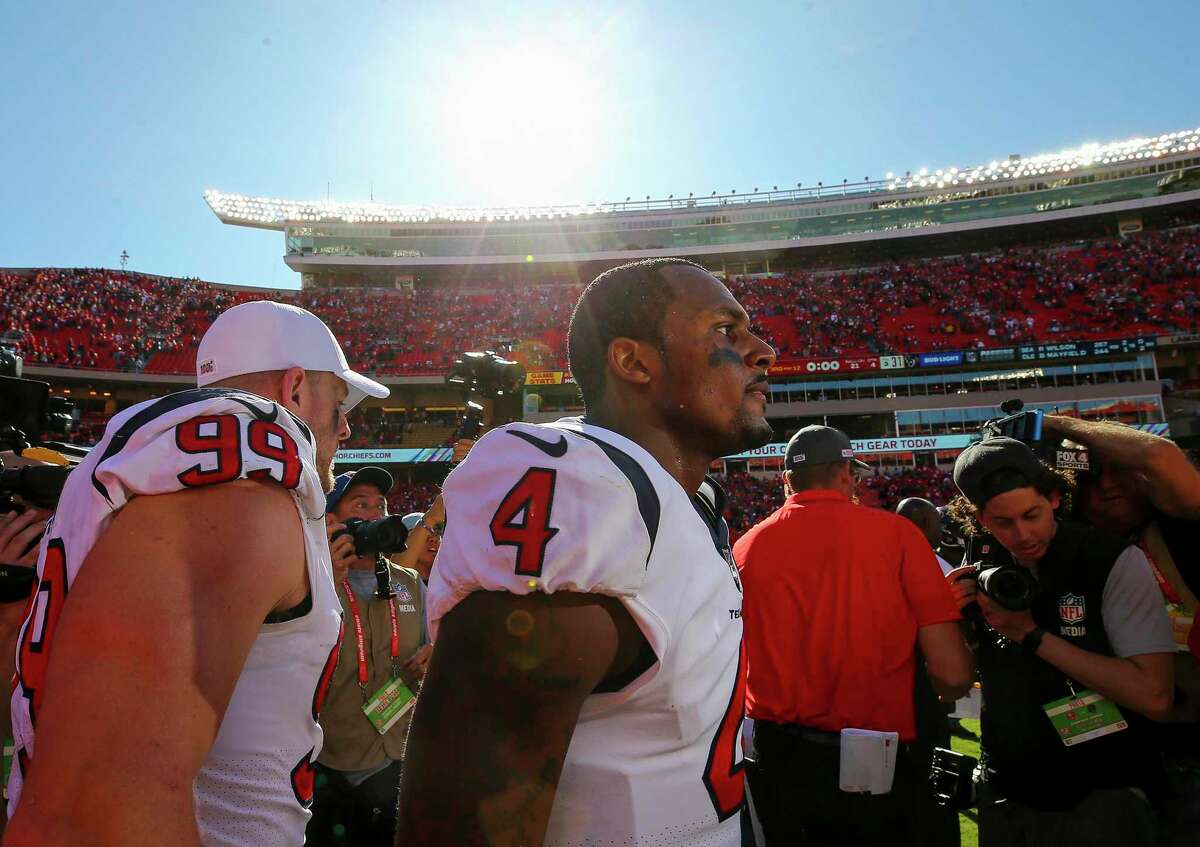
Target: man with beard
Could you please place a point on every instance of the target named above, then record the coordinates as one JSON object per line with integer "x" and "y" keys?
{"x": 176, "y": 692}
{"x": 587, "y": 684}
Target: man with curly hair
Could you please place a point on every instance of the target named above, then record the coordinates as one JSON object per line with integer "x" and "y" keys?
{"x": 1069, "y": 682}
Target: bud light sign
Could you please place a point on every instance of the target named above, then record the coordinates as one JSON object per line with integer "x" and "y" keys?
{"x": 939, "y": 360}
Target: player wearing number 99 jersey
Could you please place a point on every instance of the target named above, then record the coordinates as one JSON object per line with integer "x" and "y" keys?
{"x": 587, "y": 684}
{"x": 185, "y": 623}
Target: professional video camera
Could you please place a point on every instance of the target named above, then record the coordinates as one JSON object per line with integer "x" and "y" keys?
{"x": 483, "y": 375}
{"x": 486, "y": 374}
{"x": 26, "y": 408}
{"x": 1008, "y": 584}
{"x": 1026, "y": 426}
{"x": 26, "y": 411}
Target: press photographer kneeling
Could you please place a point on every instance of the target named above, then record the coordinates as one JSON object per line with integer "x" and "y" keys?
{"x": 1070, "y": 675}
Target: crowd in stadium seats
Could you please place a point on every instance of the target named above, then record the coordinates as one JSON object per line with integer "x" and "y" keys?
{"x": 754, "y": 497}
{"x": 1104, "y": 289}
{"x": 412, "y": 497}
{"x": 1148, "y": 284}
{"x": 887, "y": 490}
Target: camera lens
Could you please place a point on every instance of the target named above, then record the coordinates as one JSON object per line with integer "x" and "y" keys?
{"x": 383, "y": 536}
{"x": 1011, "y": 586}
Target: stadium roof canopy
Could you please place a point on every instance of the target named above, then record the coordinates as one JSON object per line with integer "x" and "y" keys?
{"x": 279, "y": 214}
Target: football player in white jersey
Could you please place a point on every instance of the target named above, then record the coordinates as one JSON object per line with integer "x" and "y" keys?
{"x": 587, "y": 683}
{"x": 185, "y": 623}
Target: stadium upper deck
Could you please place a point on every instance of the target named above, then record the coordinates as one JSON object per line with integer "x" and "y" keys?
{"x": 1127, "y": 176}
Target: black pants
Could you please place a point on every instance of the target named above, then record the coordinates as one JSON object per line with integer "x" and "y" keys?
{"x": 346, "y": 815}
{"x": 796, "y": 794}
{"x": 1108, "y": 817}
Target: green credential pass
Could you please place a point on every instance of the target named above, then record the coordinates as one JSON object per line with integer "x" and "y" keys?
{"x": 1084, "y": 717}
{"x": 388, "y": 705}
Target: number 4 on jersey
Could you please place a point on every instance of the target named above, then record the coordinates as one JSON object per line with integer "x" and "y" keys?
{"x": 530, "y": 500}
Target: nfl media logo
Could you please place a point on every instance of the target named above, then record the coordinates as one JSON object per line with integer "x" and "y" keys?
{"x": 1071, "y": 608}
{"x": 403, "y": 595}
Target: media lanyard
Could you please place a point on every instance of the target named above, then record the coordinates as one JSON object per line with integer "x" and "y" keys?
{"x": 1168, "y": 590}
{"x": 364, "y": 676}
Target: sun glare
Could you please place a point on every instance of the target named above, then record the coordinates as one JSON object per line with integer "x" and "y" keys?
{"x": 520, "y": 123}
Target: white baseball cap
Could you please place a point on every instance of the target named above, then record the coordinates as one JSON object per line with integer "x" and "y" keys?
{"x": 268, "y": 336}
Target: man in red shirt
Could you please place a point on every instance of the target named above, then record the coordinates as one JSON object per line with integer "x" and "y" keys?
{"x": 837, "y": 599}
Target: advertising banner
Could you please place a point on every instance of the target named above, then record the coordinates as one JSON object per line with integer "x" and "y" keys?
{"x": 1172, "y": 340}
{"x": 544, "y": 378}
{"x": 998, "y": 354}
{"x": 403, "y": 455}
{"x": 940, "y": 360}
{"x": 907, "y": 444}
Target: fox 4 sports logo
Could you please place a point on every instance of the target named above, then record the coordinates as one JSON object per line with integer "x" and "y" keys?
{"x": 1072, "y": 460}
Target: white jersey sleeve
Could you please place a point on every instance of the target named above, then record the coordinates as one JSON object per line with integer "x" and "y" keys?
{"x": 538, "y": 508}
{"x": 206, "y": 437}
{"x": 256, "y": 782}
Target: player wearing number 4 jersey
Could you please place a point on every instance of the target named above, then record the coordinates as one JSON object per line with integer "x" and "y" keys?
{"x": 588, "y": 682}
{"x": 185, "y": 624}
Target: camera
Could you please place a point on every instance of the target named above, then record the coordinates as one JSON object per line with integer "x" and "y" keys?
{"x": 26, "y": 412}
{"x": 1011, "y": 586}
{"x": 1026, "y": 426}
{"x": 26, "y": 408}
{"x": 952, "y": 778}
{"x": 486, "y": 374}
{"x": 37, "y": 485}
{"x": 380, "y": 537}
{"x": 472, "y": 422}
{"x": 483, "y": 375}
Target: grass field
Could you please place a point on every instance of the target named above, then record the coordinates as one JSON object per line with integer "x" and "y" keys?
{"x": 966, "y": 820}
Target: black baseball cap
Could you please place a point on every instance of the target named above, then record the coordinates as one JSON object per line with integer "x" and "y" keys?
{"x": 377, "y": 477}
{"x": 983, "y": 458}
{"x": 820, "y": 445}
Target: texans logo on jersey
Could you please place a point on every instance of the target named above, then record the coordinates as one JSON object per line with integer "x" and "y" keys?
{"x": 737, "y": 580}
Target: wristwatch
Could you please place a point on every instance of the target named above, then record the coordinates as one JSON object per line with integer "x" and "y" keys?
{"x": 1033, "y": 640}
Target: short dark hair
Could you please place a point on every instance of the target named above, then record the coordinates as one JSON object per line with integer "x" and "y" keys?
{"x": 628, "y": 301}
{"x": 821, "y": 475}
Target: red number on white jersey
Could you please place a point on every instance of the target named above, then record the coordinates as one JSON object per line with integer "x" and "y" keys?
{"x": 224, "y": 440}
{"x": 47, "y": 604}
{"x": 531, "y": 499}
{"x": 724, "y": 776}
{"x": 221, "y": 436}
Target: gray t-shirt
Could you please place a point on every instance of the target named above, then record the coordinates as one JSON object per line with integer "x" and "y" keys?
{"x": 1135, "y": 615}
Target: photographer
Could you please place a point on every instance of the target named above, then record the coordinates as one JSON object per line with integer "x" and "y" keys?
{"x": 383, "y": 653}
{"x": 425, "y": 528}
{"x": 1068, "y": 674}
{"x": 1145, "y": 489}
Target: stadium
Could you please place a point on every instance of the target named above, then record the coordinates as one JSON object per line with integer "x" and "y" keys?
{"x": 904, "y": 310}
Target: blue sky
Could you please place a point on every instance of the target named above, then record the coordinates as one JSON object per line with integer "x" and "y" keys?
{"x": 119, "y": 114}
